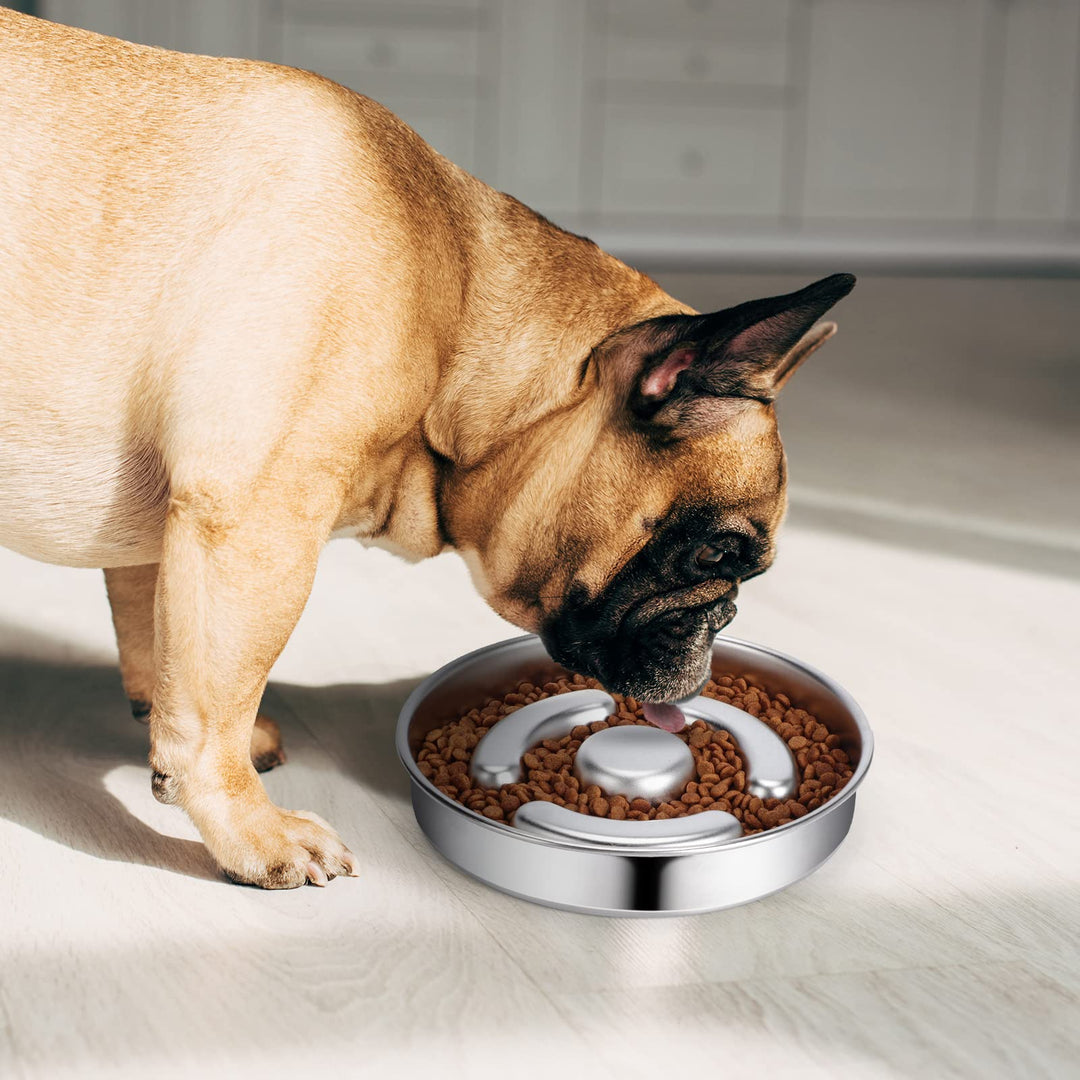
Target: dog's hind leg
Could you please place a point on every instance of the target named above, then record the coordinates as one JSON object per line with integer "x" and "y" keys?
{"x": 131, "y": 597}
{"x": 266, "y": 747}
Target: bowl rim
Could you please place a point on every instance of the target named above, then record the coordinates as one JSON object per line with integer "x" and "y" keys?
{"x": 433, "y": 680}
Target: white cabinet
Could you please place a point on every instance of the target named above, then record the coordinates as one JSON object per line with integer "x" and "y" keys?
{"x": 697, "y": 161}
{"x": 893, "y": 117}
{"x": 539, "y": 143}
{"x": 695, "y": 42}
{"x": 867, "y": 126}
{"x": 1038, "y": 111}
{"x": 687, "y": 106}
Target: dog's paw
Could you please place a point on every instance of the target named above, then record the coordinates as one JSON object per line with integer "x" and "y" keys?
{"x": 266, "y": 748}
{"x": 296, "y": 848}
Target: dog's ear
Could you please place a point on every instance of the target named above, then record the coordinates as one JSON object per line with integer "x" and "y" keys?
{"x": 688, "y": 371}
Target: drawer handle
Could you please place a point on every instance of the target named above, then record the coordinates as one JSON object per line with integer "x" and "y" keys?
{"x": 381, "y": 54}
{"x": 692, "y": 162}
{"x": 696, "y": 65}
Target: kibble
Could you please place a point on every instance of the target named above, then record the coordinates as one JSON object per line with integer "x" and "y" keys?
{"x": 720, "y": 776}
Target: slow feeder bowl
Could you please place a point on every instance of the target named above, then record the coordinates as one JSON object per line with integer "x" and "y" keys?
{"x": 551, "y": 855}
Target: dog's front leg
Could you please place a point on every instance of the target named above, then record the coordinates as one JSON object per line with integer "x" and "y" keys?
{"x": 229, "y": 592}
{"x": 131, "y": 596}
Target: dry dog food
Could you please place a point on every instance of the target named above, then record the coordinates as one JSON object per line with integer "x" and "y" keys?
{"x": 548, "y": 769}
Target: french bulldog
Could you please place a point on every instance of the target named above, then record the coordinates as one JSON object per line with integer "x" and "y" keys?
{"x": 244, "y": 309}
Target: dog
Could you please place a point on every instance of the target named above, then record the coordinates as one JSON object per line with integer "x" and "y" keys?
{"x": 244, "y": 309}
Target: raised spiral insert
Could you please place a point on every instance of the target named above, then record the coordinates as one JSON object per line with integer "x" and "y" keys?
{"x": 636, "y": 761}
{"x": 631, "y": 760}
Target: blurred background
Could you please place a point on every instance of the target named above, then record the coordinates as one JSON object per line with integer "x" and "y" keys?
{"x": 734, "y": 148}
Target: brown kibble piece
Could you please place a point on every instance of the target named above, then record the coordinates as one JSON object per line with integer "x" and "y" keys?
{"x": 699, "y": 738}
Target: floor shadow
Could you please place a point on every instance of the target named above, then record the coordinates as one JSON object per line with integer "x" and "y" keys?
{"x": 353, "y": 723}
{"x": 65, "y": 728}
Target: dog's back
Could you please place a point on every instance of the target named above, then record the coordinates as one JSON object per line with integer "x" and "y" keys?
{"x": 155, "y": 209}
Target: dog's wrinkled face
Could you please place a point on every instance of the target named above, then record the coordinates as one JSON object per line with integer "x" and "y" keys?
{"x": 621, "y": 528}
{"x": 646, "y": 629}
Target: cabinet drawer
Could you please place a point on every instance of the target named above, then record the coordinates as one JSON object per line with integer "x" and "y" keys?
{"x": 372, "y": 59}
{"x": 706, "y": 63}
{"x": 387, "y": 11}
{"x": 894, "y": 106}
{"x": 723, "y": 160}
{"x": 690, "y": 19}
{"x": 1038, "y": 111}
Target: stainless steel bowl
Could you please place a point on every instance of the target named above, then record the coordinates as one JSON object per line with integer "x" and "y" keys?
{"x": 660, "y": 879}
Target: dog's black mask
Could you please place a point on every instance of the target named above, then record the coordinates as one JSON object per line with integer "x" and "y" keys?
{"x": 648, "y": 633}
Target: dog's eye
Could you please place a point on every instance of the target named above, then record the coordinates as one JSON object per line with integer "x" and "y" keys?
{"x": 718, "y": 556}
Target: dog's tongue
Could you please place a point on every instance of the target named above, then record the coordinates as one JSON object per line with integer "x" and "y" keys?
{"x": 663, "y": 715}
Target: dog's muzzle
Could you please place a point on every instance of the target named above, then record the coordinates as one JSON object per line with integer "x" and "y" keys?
{"x": 666, "y": 658}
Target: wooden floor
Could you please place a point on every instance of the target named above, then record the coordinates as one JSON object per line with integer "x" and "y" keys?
{"x": 942, "y": 940}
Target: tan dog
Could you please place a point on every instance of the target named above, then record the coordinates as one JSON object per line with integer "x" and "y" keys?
{"x": 243, "y": 308}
